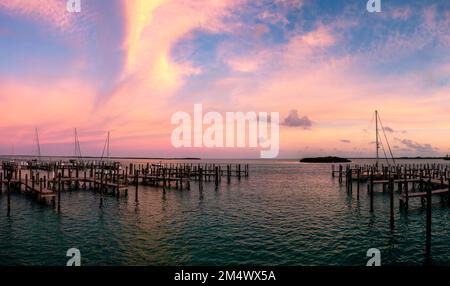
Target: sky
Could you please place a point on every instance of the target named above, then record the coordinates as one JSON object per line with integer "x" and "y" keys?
{"x": 128, "y": 66}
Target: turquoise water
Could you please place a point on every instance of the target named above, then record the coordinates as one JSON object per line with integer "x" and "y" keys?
{"x": 285, "y": 213}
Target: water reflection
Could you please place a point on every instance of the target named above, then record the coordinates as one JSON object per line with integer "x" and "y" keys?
{"x": 285, "y": 213}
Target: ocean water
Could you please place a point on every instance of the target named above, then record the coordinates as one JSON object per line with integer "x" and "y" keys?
{"x": 284, "y": 213}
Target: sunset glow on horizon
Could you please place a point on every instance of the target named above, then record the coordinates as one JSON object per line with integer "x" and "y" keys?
{"x": 127, "y": 66}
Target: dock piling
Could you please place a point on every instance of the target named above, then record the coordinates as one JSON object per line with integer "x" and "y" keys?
{"x": 136, "y": 181}
{"x": 371, "y": 191}
{"x": 428, "y": 226}
{"x": 59, "y": 192}
{"x": 391, "y": 194}
{"x": 358, "y": 182}
{"x": 200, "y": 181}
{"x": 8, "y": 193}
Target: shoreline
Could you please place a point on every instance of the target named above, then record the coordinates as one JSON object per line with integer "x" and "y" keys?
{"x": 198, "y": 158}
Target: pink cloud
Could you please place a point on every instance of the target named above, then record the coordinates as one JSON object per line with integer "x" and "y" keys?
{"x": 332, "y": 90}
{"x": 321, "y": 37}
{"x": 40, "y": 102}
{"x": 336, "y": 91}
{"x": 136, "y": 123}
{"x": 402, "y": 13}
{"x": 244, "y": 64}
{"x": 146, "y": 44}
{"x": 273, "y": 17}
{"x": 49, "y": 11}
{"x": 436, "y": 28}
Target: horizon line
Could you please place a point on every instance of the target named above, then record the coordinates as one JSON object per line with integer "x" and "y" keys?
{"x": 199, "y": 158}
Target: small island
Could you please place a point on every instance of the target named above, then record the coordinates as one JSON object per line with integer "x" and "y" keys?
{"x": 329, "y": 159}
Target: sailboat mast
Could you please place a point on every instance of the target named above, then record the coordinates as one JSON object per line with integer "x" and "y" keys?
{"x": 377, "y": 143}
{"x": 38, "y": 145}
{"x": 75, "y": 143}
{"x": 107, "y": 152}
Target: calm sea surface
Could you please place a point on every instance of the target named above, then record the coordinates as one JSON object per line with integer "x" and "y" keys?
{"x": 285, "y": 213}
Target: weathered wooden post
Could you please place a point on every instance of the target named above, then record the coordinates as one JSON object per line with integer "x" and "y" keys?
{"x": 357, "y": 186}
{"x": 189, "y": 178}
{"x": 200, "y": 181}
{"x": 406, "y": 194}
{"x": 350, "y": 181}
{"x": 59, "y": 192}
{"x": 448, "y": 194}
{"x": 101, "y": 188}
{"x": 371, "y": 191}
{"x": 177, "y": 185}
{"x": 428, "y": 226}
{"x": 26, "y": 182}
{"x": 8, "y": 194}
{"x": 164, "y": 180}
{"x": 421, "y": 187}
{"x": 420, "y": 182}
{"x": 346, "y": 177}
{"x": 391, "y": 193}
{"x": 181, "y": 175}
{"x": 136, "y": 183}
{"x": 117, "y": 184}
{"x": 216, "y": 178}
{"x": 32, "y": 181}
{"x": 70, "y": 179}
{"x": 40, "y": 189}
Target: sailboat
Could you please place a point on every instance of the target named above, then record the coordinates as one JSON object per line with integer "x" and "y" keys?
{"x": 36, "y": 162}
{"x": 78, "y": 158}
{"x": 378, "y": 142}
{"x": 108, "y": 164}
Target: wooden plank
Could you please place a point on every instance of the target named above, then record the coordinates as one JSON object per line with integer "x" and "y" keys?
{"x": 423, "y": 194}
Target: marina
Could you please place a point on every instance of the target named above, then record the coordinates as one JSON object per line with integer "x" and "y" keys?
{"x": 108, "y": 178}
{"x": 296, "y": 215}
{"x": 421, "y": 181}
{"x": 238, "y": 137}
{"x": 389, "y": 187}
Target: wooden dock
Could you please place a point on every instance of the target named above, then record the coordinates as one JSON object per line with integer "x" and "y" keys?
{"x": 44, "y": 181}
{"x": 411, "y": 181}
